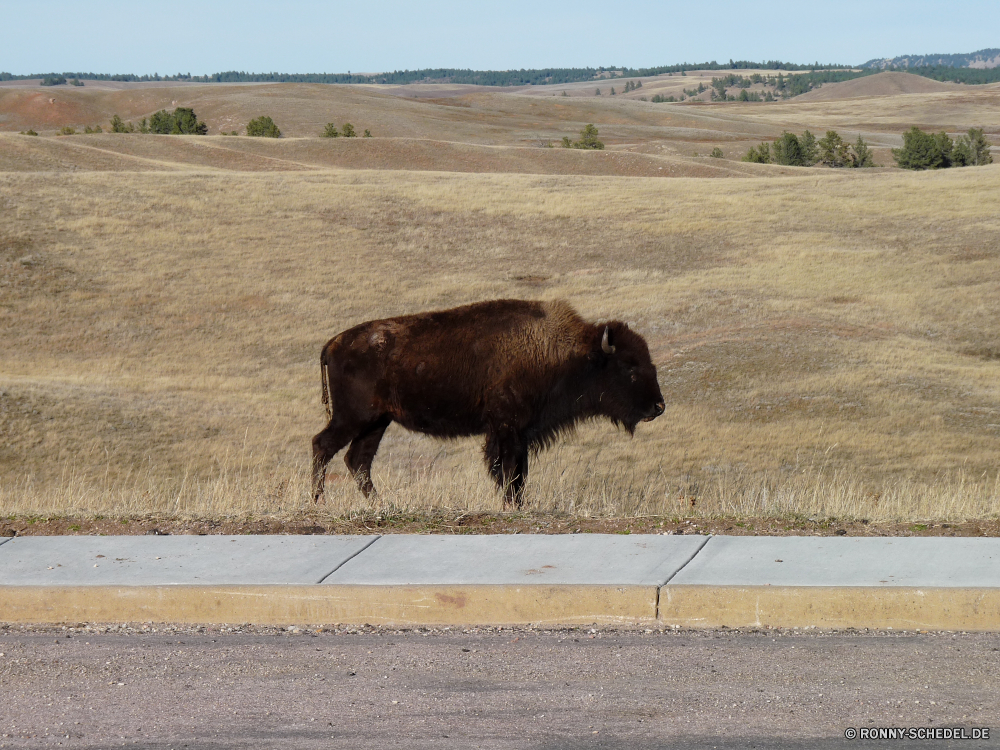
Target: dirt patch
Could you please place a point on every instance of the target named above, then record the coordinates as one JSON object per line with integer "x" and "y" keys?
{"x": 481, "y": 523}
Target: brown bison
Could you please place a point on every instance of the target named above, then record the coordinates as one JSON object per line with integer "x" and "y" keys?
{"x": 515, "y": 371}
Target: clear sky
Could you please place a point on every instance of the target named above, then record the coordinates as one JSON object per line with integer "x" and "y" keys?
{"x": 319, "y": 36}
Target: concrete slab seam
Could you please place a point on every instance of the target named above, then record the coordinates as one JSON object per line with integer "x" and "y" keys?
{"x": 344, "y": 562}
{"x": 671, "y": 576}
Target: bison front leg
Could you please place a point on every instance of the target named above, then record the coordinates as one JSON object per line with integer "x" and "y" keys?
{"x": 362, "y": 452}
{"x": 507, "y": 458}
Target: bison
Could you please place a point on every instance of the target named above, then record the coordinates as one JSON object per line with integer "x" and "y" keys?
{"x": 516, "y": 371}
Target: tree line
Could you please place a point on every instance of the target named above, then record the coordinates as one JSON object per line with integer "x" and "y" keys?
{"x": 824, "y": 73}
{"x": 807, "y": 151}
{"x": 920, "y": 150}
{"x": 938, "y": 151}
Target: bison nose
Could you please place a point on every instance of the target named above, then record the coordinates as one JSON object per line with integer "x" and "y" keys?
{"x": 660, "y": 408}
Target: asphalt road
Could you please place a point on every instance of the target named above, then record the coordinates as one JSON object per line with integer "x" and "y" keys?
{"x": 259, "y": 688}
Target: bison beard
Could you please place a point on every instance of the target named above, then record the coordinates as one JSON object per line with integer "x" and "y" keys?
{"x": 518, "y": 372}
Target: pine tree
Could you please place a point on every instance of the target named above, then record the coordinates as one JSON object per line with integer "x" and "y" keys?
{"x": 263, "y": 127}
{"x": 330, "y": 131}
{"x": 787, "y": 150}
{"x": 348, "y": 130}
{"x": 759, "y": 155}
{"x": 861, "y": 155}
{"x": 833, "y": 151}
{"x": 979, "y": 147}
{"x": 808, "y": 149}
{"x": 920, "y": 150}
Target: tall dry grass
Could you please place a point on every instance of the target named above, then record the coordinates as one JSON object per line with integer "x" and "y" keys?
{"x": 827, "y": 343}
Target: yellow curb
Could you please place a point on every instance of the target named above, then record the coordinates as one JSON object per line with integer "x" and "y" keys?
{"x": 695, "y": 606}
{"x": 328, "y": 604}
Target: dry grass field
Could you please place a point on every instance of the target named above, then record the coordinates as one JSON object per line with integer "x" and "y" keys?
{"x": 827, "y": 342}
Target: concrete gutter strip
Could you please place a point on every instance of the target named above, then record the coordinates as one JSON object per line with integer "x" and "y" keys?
{"x": 173, "y": 560}
{"x": 519, "y": 560}
{"x": 844, "y": 561}
{"x": 582, "y": 579}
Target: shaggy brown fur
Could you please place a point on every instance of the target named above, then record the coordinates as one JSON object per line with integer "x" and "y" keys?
{"x": 518, "y": 372}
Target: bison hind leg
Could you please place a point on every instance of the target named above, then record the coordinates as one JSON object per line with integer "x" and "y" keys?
{"x": 326, "y": 445}
{"x": 506, "y": 457}
{"x": 362, "y": 452}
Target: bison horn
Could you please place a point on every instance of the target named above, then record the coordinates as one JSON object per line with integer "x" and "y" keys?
{"x": 606, "y": 342}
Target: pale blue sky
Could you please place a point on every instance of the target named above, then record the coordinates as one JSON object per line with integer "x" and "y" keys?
{"x": 308, "y": 36}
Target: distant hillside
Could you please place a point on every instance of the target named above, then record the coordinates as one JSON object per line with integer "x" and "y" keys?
{"x": 877, "y": 84}
{"x": 530, "y": 77}
{"x": 984, "y": 58}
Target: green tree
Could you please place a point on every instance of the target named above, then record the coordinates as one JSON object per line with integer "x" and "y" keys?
{"x": 787, "y": 150}
{"x": 833, "y": 151}
{"x": 349, "y": 130}
{"x": 186, "y": 123}
{"x": 861, "y": 155}
{"x": 367, "y": 133}
{"x": 29, "y": 131}
{"x": 759, "y": 155}
{"x": 143, "y": 125}
{"x": 597, "y": 93}
{"x": 923, "y": 150}
{"x": 810, "y": 152}
{"x": 972, "y": 149}
{"x": 330, "y": 131}
{"x": 161, "y": 123}
{"x": 588, "y": 138}
{"x": 264, "y": 127}
{"x": 120, "y": 126}
{"x": 716, "y": 153}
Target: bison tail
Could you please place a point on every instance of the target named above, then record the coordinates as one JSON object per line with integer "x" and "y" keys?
{"x": 325, "y": 377}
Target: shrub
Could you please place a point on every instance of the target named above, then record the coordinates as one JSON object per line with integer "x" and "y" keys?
{"x": 330, "y": 131}
{"x": 368, "y": 133}
{"x": 67, "y": 130}
{"x": 349, "y": 130}
{"x": 716, "y": 153}
{"x": 96, "y": 129}
{"x": 75, "y": 82}
{"x": 29, "y": 131}
{"x": 53, "y": 80}
{"x": 263, "y": 127}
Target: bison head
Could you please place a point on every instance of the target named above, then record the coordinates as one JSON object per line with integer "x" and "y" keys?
{"x": 628, "y": 392}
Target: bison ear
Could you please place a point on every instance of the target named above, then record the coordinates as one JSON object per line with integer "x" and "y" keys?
{"x": 606, "y": 344}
